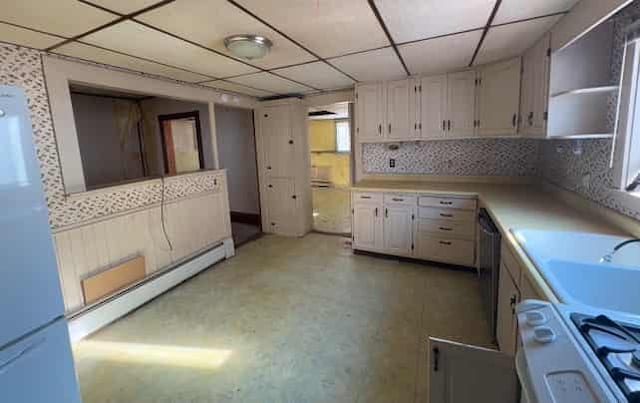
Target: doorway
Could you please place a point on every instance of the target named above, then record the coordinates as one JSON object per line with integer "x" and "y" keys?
{"x": 330, "y": 157}
{"x": 181, "y": 139}
{"x": 237, "y": 154}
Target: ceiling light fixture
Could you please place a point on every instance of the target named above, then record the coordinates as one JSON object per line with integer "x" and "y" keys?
{"x": 247, "y": 46}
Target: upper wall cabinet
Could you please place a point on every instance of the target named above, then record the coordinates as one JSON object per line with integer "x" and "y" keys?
{"x": 433, "y": 107}
{"x": 499, "y": 98}
{"x": 370, "y": 108}
{"x": 461, "y": 104}
{"x": 398, "y": 100}
{"x": 535, "y": 89}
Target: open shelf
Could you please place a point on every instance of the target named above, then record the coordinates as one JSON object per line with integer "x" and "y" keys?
{"x": 589, "y": 90}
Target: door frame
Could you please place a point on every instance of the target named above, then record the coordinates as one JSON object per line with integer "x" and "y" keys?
{"x": 175, "y": 116}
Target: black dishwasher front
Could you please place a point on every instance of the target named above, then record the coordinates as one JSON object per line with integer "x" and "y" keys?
{"x": 489, "y": 265}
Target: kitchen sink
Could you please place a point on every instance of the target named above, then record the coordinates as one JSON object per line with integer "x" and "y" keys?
{"x": 571, "y": 264}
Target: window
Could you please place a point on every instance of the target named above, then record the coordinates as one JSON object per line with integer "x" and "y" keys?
{"x": 343, "y": 136}
{"x": 181, "y": 142}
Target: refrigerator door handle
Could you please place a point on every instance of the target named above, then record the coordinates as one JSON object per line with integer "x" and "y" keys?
{"x": 4, "y": 366}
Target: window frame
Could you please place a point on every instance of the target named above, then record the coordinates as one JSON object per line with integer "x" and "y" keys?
{"x": 174, "y": 116}
{"x": 347, "y": 121}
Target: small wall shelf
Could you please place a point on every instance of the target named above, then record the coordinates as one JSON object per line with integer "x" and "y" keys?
{"x": 590, "y": 90}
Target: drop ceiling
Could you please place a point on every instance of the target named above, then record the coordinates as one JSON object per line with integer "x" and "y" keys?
{"x": 318, "y": 45}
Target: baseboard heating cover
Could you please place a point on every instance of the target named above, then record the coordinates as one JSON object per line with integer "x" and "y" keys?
{"x": 86, "y": 322}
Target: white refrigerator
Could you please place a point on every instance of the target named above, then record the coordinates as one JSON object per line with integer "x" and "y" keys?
{"x": 36, "y": 363}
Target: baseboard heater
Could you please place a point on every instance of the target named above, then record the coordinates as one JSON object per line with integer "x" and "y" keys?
{"x": 83, "y": 323}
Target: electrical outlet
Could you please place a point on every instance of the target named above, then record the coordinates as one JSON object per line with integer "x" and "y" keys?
{"x": 392, "y": 162}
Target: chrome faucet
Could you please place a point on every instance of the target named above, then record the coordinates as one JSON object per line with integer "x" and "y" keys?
{"x": 609, "y": 256}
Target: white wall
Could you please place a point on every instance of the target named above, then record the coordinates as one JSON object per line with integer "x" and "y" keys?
{"x": 237, "y": 154}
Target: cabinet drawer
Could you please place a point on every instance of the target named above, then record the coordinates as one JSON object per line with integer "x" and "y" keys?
{"x": 390, "y": 198}
{"x": 458, "y": 229}
{"x": 371, "y": 197}
{"x": 448, "y": 202}
{"x": 436, "y": 213}
{"x": 446, "y": 250}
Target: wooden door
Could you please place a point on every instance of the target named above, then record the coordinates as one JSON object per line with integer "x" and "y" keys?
{"x": 398, "y": 99}
{"x": 369, "y": 111}
{"x": 281, "y": 205}
{"x": 398, "y": 229}
{"x": 277, "y": 140}
{"x": 461, "y": 103}
{"x": 433, "y": 106}
{"x": 460, "y": 373}
{"x": 507, "y": 325}
{"x": 499, "y": 98}
{"x": 366, "y": 225}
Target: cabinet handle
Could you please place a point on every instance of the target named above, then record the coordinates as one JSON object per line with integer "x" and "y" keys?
{"x": 290, "y": 141}
{"x": 444, "y": 242}
{"x": 513, "y": 120}
{"x": 444, "y": 125}
{"x": 294, "y": 197}
{"x": 448, "y": 125}
{"x": 445, "y": 229}
{"x": 270, "y": 186}
{"x": 365, "y": 197}
{"x": 376, "y": 212}
{"x": 415, "y": 126}
{"x": 397, "y": 199}
{"x": 386, "y": 213}
{"x": 269, "y": 167}
{"x": 389, "y": 128}
{"x": 379, "y": 128}
{"x": 530, "y": 118}
{"x": 446, "y": 215}
{"x": 446, "y": 203}
{"x": 436, "y": 358}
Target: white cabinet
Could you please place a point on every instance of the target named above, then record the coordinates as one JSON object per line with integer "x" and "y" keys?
{"x": 279, "y": 146}
{"x": 370, "y": 110}
{"x": 508, "y": 298}
{"x": 281, "y": 201}
{"x": 433, "y": 106}
{"x": 460, "y": 373}
{"x": 398, "y": 101}
{"x": 498, "y": 98}
{"x": 535, "y": 89}
{"x": 398, "y": 229}
{"x": 367, "y": 226}
{"x": 461, "y": 104}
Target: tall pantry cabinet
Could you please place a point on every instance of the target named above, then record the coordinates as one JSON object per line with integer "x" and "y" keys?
{"x": 283, "y": 167}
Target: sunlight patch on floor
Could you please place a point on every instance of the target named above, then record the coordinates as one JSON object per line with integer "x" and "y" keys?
{"x": 137, "y": 353}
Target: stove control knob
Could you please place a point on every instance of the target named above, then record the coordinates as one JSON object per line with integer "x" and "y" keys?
{"x": 544, "y": 334}
{"x": 535, "y": 318}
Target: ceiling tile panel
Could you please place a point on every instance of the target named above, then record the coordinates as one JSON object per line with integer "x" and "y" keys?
{"x": 61, "y": 17}
{"x": 125, "y": 6}
{"x": 98, "y": 55}
{"x": 410, "y": 20}
{"x": 26, "y": 37}
{"x": 513, "y": 10}
{"x": 381, "y": 64}
{"x": 271, "y": 83}
{"x": 326, "y": 27}
{"x": 442, "y": 54}
{"x": 136, "y": 39}
{"x": 240, "y": 89}
{"x": 318, "y": 74}
{"x": 511, "y": 40}
{"x": 208, "y": 22}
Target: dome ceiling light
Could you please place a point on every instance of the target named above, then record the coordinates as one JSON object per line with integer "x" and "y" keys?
{"x": 247, "y": 46}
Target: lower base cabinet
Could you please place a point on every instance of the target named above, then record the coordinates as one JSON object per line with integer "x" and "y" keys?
{"x": 434, "y": 228}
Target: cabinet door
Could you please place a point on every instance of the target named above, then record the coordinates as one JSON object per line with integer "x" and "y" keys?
{"x": 460, "y": 373}
{"x": 499, "y": 98}
{"x": 277, "y": 141}
{"x": 281, "y": 204}
{"x": 398, "y": 98}
{"x": 366, "y": 225}
{"x": 369, "y": 111}
{"x": 461, "y": 103}
{"x": 540, "y": 86}
{"x": 508, "y": 298}
{"x": 398, "y": 229}
{"x": 433, "y": 105}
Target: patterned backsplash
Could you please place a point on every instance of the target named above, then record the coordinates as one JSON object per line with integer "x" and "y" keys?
{"x": 477, "y": 157}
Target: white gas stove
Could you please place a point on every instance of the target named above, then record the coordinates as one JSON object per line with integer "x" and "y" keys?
{"x": 577, "y": 354}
